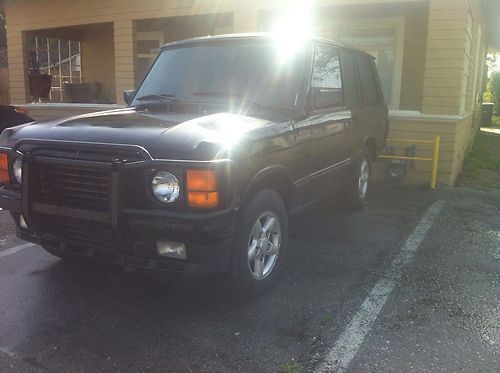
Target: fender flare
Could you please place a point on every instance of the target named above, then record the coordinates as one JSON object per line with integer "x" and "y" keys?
{"x": 280, "y": 170}
{"x": 367, "y": 138}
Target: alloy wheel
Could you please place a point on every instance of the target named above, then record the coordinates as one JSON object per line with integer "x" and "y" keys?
{"x": 264, "y": 245}
{"x": 364, "y": 178}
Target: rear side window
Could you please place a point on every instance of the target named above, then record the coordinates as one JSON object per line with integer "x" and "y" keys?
{"x": 351, "y": 82}
{"x": 368, "y": 80}
{"x": 326, "y": 80}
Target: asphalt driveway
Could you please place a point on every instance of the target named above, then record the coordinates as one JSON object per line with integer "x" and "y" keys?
{"x": 442, "y": 312}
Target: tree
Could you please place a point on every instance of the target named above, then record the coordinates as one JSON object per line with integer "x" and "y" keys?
{"x": 492, "y": 92}
{"x": 494, "y": 89}
{"x": 491, "y": 62}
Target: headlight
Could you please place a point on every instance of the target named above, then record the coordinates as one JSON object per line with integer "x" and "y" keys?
{"x": 17, "y": 169}
{"x": 165, "y": 187}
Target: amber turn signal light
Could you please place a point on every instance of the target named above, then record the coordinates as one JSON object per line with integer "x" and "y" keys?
{"x": 203, "y": 199}
{"x": 4, "y": 169}
{"x": 201, "y": 181}
{"x": 202, "y": 189}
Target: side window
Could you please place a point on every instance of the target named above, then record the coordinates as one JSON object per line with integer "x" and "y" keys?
{"x": 326, "y": 82}
{"x": 351, "y": 83}
{"x": 368, "y": 80}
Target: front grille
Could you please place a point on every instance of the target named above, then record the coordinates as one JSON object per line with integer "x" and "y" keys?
{"x": 76, "y": 187}
{"x": 86, "y": 234}
{"x": 90, "y": 234}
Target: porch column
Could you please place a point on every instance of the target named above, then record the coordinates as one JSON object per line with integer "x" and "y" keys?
{"x": 124, "y": 32}
{"x": 447, "y": 57}
{"x": 18, "y": 71}
{"x": 246, "y": 19}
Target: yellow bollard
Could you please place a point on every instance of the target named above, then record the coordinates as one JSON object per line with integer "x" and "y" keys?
{"x": 435, "y": 159}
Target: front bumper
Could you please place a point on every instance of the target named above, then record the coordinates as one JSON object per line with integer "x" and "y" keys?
{"x": 10, "y": 200}
{"x": 208, "y": 241}
{"x": 121, "y": 234}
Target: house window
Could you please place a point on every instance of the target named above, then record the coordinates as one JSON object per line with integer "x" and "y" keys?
{"x": 57, "y": 57}
{"x": 384, "y": 39}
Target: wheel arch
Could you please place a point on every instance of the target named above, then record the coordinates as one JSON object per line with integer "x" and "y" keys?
{"x": 276, "y": 178}
{"x": 371, "y": 144}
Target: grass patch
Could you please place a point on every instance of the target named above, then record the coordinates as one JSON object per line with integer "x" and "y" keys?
{"x": 326, "y": 319}
{"x": 495, "y": 121}
{"x": 481, "y": 156}
{"x": 482, "y": 166}
{"x": 290, "y": 368}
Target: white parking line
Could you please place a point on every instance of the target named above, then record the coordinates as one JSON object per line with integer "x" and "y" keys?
{"x": 346, "y": 347}
{"x": 16, "y": 249}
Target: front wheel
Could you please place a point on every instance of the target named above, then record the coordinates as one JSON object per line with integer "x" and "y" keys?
{"x": 260, "y": 244}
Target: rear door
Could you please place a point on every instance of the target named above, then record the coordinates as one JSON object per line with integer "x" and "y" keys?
{"x": 370, "y": 116}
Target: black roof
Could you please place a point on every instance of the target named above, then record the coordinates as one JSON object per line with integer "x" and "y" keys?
{"x": 250, "y": 37}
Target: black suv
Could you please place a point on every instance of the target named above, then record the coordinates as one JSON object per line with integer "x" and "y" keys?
{"x": 225, "y": 139}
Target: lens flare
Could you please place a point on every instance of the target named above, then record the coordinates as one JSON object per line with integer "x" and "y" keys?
{"x": 293, "y": 29}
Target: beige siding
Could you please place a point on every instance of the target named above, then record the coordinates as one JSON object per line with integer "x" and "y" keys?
{"x": 445, "y": 41}
{"x": 448, "y": 94}
{"x": 414, "y": 59}
{"x": 97, "y": 11}
{"x": 18, "y": 88}
{"x": 426, "y": 129}
{"x": 124, "y": 57}
{"x": 462, "y": 140}
{"x": 4, "y": 86}
{"x": 245, "y": 19}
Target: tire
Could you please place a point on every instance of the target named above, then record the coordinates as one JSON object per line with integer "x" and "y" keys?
{"x": 356, "y": 194}
{"x": 260, "y": 244}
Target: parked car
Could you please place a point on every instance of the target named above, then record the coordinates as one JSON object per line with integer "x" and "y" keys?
{"x": 12, "y": 116}
{"x": 224, "y": 140}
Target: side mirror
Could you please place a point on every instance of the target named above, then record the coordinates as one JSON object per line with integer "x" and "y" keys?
{"x": 128, "y": 96}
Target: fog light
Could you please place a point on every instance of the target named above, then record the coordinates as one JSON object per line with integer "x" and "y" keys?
{"x": 171, "y": 249}
{"x": 22, "y": 222}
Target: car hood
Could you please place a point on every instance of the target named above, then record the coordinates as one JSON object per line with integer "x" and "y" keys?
{"x": 164, "y": 135}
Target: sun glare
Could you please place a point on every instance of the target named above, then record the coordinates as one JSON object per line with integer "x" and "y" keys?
{"x": 292, "y": 29}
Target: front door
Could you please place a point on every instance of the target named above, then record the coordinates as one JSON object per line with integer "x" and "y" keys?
{"x": 330, "y": 121}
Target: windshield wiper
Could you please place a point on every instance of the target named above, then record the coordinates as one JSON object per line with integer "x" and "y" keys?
{"x": 157, "y": 97}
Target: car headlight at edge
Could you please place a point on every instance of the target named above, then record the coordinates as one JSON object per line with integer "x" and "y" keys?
{"x": 17, "y": 170}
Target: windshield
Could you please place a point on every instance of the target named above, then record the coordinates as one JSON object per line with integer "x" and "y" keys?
{"x": 227, "y": 73}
